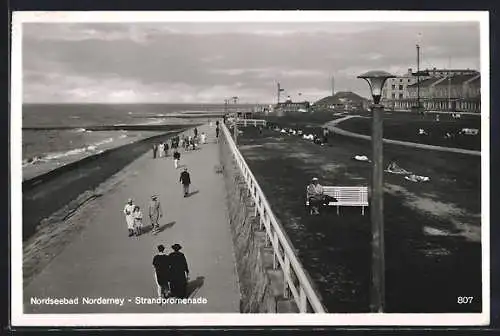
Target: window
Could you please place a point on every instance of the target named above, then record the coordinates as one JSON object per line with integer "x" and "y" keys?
{"x": 400, "y": 96}
{"x": 401, "y": 87}
{"x": 393, "y": 95}
{"x": 393, "y": 86}
{"x": 401, "y": 81}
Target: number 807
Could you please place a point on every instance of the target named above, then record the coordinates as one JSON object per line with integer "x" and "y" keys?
{"x": 464, "y": 299}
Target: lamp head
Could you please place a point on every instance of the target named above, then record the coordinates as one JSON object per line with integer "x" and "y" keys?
{"x": 376, "y": 80}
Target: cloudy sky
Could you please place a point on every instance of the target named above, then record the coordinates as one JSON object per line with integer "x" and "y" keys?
{"x": 208, "y": 62}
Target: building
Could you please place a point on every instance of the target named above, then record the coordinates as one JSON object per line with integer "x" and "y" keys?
{"x": 343, "y": 100}
{"x": 289, "y": 107}
{"x": 440, "y": 89}
{"x": 395, "y": 90}
{"x": 458, "y": 93}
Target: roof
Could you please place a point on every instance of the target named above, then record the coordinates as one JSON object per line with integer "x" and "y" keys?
{"x": 457, "y": 80}
{"x": 425, "y": 82}
{"x": 339, "y": 96}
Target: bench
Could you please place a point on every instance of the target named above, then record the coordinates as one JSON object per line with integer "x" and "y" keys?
{"x": 346, "y": 196}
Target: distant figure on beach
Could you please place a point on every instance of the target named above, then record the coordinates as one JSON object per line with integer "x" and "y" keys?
{"x": 217, "y": 131}
{"x": 203, "y": 138}
{"x": 195, "y": 132}
{"x": 129, "y": 217}
{"x": 177, "y": 157}
{"x": 185, "y": 180}
{"x": 155, "y": 150}
{"x": 155, "y": 213}
{"x": 137, "y": 220}
{"x": 179, "y": 272}
{"x": 193, "y": 143}
{"x": 161, "y": 265}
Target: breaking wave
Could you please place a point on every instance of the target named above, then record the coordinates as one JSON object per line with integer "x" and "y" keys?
{"x": 92, "y": 148}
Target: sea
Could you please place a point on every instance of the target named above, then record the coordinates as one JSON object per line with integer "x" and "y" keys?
{"x": 47, "y": 147}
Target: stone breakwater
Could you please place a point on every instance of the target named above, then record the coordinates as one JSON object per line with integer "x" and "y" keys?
{"x": 261, "y": 287}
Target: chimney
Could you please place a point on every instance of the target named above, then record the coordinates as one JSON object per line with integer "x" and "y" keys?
{"x": 333, "y": 86}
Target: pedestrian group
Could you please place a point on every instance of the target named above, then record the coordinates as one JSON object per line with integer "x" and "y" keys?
{"x": 171, "y": 271}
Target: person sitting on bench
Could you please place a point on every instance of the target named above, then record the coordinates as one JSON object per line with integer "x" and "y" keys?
{"x": 315, "y": 196}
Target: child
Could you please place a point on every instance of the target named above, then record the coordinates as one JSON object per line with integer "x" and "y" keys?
{"x": 137, "y": 220}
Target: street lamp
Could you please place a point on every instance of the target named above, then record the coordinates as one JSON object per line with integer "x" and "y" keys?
{"x": 235, "y": 100}
{"x": 376, "y": 80}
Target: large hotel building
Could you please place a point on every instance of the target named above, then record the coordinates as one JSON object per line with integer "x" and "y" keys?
{"x": 455, "y": 90}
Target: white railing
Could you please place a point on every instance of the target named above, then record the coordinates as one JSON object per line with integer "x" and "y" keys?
{"x": 249, "y": 122}
{"x": 296, "y": 280}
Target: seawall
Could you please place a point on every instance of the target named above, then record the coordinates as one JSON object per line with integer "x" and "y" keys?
{"x": 261, "y": 286}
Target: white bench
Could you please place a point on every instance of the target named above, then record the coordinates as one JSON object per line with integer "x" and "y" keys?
{"x": 347, "y": 196}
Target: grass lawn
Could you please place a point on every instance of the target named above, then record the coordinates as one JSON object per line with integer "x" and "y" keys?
{"x": 404, "y": 126}
{"x": 432, "y": 230}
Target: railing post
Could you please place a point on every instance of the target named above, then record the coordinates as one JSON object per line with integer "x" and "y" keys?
{"x": 302, "y": 300}
{"x": 275, "y": 250}
{"x": 286, "y": 276}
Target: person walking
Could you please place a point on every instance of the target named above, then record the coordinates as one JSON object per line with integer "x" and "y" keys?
{"x": 155, "y": 150}
{"x": 161, "y": 266}
{"x": 155, "y": 213}
{"x": 137, "y": 220}
{"x": 179, "y": 272}
{"x": 177, "y": 157}
{"x": 129, "y": 218}
{"x": 195, "y": 132}
{"x": 203, "y": 138}
{"x": 165, "y": 148}
{"x": 160, "y": 150}
{"x": 185, "y": 180}
{"x": 217, "y": 130}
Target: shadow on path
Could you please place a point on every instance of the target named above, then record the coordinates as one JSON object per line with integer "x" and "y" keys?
{"x": 192, "y": 193}
{"x": 194, "y": 285}
{"x": 148, "y": 228}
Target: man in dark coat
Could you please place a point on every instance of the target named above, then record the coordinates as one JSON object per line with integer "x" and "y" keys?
{"x": 195, "y": 132}
{"x": 161, "y": 265}
{"x": 179, "y": 272}
{"x": 185, "y": 179}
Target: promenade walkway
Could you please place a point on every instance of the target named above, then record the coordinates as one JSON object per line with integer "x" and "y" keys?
{"x": 104, "y": 262}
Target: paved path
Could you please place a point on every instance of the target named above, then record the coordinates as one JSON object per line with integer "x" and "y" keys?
{"x": 104, "y": 262}
{"x": 332, "y": 125}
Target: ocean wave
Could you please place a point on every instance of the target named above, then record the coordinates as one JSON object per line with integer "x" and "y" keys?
{"x": 92, "y": 148}
{"x": 79, "y": 130}
{"x": 32, "y": 160}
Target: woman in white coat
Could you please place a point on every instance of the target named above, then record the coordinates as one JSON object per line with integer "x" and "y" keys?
{"x": 129, "y": 217}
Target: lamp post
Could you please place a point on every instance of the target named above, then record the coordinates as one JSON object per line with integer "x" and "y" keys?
{"x": 376, "y": 80}
{"x": 235, "y": 100}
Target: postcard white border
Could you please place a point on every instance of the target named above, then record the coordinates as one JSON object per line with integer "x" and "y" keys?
{"x": 20, "y": 319}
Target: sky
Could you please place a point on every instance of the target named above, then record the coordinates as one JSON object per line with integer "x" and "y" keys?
{"x": 207, "y": 62}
